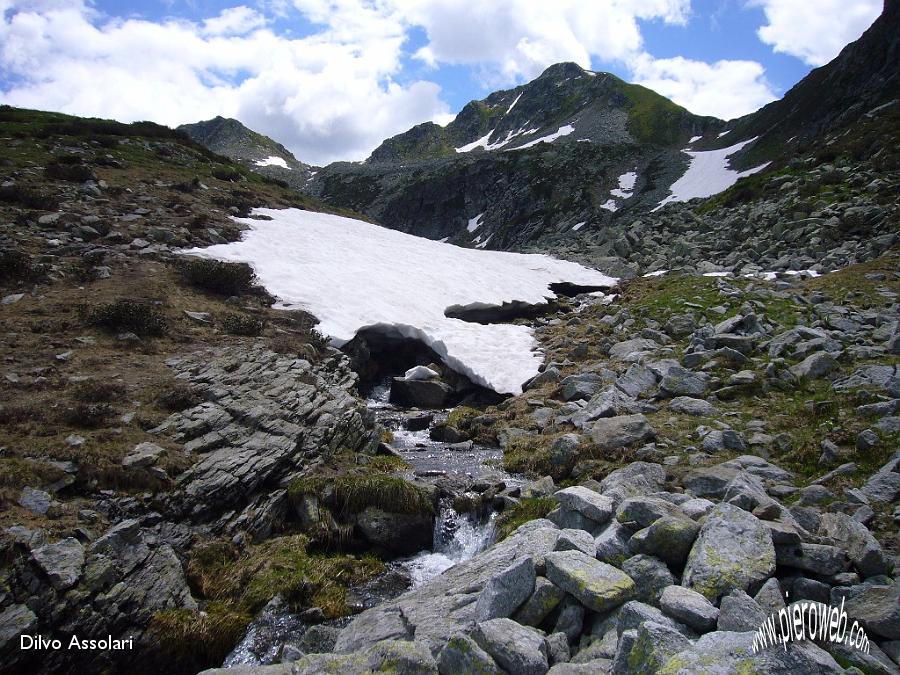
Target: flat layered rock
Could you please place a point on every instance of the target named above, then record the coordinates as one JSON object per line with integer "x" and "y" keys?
{"x": 598, "y": 586}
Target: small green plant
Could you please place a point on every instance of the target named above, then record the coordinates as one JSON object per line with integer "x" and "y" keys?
{"x": 177, "y": 396}
{"x": 352, "y": 493}
{"x": 216, "y": 276}
{"x": 63, "y": 169}
{"x": 97, "y": 391}
{"x": 28, "y": 197}
{"x": 17, "y": 265}
{"x": 226, "y": 173}
{"x": 128, "y": 315}
{"x": 88, "y": 415}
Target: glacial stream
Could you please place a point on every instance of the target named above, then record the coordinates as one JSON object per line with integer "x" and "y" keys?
{"x": 457, "y": 537}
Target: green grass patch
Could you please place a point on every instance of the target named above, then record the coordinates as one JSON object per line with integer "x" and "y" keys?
{"x": 352, "y": 493}
{"x": 521, "y": 513}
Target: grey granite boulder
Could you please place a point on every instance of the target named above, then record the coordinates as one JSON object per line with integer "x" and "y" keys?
{"x": 668, "y": 538}
{"x": 863, "y": 549}
{"x": 612, "y": 433}
{"x": 689, "y": 607}
{"x": 598, "y": 586}
{"x": 515, "y": 648}
{"x": 506, "y": 591}
{"x": 733, "y": 550}
{"x": 462, "y": 654}
{"x": 739, "y": 612}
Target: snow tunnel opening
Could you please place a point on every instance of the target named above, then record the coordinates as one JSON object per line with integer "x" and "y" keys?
{"x": 382, "y": 353}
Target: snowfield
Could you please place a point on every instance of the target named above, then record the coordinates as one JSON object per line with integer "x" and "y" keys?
{"x": 352, "y": 275}
{"x": 272, "y": 161}
{"x": 559, "y": 133}
{"x": 708, "y": 174}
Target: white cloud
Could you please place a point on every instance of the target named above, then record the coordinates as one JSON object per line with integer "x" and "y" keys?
{"x": 815, "y": 31}
{"x": 328, "y": 96}
{"x": 234, "y": 21}
{"x": 725, "y": 89}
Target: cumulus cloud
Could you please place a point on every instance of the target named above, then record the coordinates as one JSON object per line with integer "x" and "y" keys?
{"x": 329, "y": 96}
{"x": 815, "y": 31}
{"x": 725, "y": 89}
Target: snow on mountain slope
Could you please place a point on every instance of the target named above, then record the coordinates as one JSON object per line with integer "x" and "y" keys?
{"x": 272, "y": 160}
{"x": 708, "y": 174}
{"x": 559, "y": 133}
{"x": 352, "y": 274}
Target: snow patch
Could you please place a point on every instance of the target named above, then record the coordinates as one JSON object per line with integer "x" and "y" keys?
{"x": 657, "y": 273}
{"x": 559, "y": 133}
{"x": 474, "y": 223}
{"x": 610, "y": 205}
{"x": 509, "y": 109}
{"x": 353, "y": 275}
{"x": 626, "y": 185}
{"x": 724, "y": 133}
{"x": 578, "y": 226}
{"x": 708, "y": 174}
{"x": 485, "y": 242}
{"x": 694, "y": 139}
{"x": 272, "y": 160}
{"x": 480, "y": 143}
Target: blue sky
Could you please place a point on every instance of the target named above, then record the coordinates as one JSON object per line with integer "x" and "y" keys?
{"x": 332, "y": 78}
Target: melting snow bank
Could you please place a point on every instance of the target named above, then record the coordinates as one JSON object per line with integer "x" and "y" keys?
{"x": 708, "y": 174}
{"x": 352, "y": 275}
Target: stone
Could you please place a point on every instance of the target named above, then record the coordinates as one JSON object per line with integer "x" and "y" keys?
{"x": 462, "y": 654}
{"x": 543, "y": 600}
{"x": 62, "y": 562}
{"x": 576, "y": 540}
{"x": 634, "y": 613}
{"x": 733, "y": 550}
{"x": 143, "y": 455}
{"x": 612, "y": 543}
{"x": 815, "y": 366}
{"x": 592, "y": 505}
{"x": 581, "y": 386}
{"x": 506, "y": 591}
{"x": 683, "y": 382}
{"x": 35, "y": 500}
{"x": 877, "y": 608}
{"x": 401, "y": 656}
{"x": 542, "y": 487}
{"x": 882, "y": 486}
{"x": 729, "y": 652}
{"x": 642, "y": 512}
{"x": 669, "y": 538}
{"x": 570, "y": 619}
{"x": 643, "y": 651}
{"x": 620, "y": 432}
{"x": 558, "y": 647}
{"x": 420, "y": 393}
{"x": 637, "y": 380}
{"x": 692, "y": 406}
{"x": 816, "y": 558}
{"x": 597, "y": 585}
{"x": 862, "y": 548}
{"x": 515, "y": 648}
{"x": 770, "y": 597}
{"x": 739, "y": 612}
{"x": 628, "y": 348}
{"x": 650, "y": 577}
{"x": 15, "y": 620}
{"x": 689, "y": 607}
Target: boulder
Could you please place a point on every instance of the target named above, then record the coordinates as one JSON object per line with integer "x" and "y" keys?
{"x": 862, "y": 548}
{"x": 727, "y": 652}
{"x": 543, "y": 600}
{"x": 420, "y": 393}
{"x": 598, "y": 586}
{"x": 592, "y": 505}
{"x": 15, "y": 620}
{"x": 650, "y": 576}
{"x": 739, "y": 612}
{"x": 692, "y": 406}
{"x": 815, "y": 366}
{"x": 506, "y": 591}
{"x": 143, "y": 455}
{"x": 877, "y": 608}
{"x": 669, "y": 538}
{"x": 644, "y": 650}
{"x": 689, "y": 607}
{"x": 515, "y": 648}
{"x": 463, "y": 655}
{"x": 683, "y": 382}
{"x": 733, "y": 550}
{"x": 620, "y": 432}
{"x": 816, "y": 558}
{"x": 62, "y": 562}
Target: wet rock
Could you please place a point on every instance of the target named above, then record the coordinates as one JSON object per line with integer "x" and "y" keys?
{"x": 401, "y": 533}
{"x": 733, "y": 551}
{"x": 598, "y": 586}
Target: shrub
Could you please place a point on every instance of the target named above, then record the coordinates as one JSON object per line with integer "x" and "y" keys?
{"x": 29, "y": 198}
{"x": 94, "y": 391}
{"x": 242, "y": 324}
{"x": 69, "y": 169}
{"x": 17, "y": 265}
{"x": 88, "y": 415}
{"x": 224, "y": 278}
{"x": 226, "y": 173}
{"x": 177, "y": 396}
{"x": 129, "y": 315}
{"x": 195, "y": 640}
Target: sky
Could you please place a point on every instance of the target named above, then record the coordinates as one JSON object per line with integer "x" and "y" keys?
{"x": 331, "y": 79}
